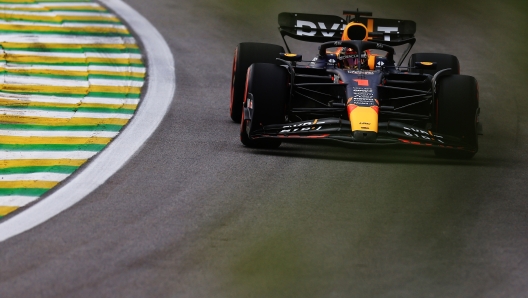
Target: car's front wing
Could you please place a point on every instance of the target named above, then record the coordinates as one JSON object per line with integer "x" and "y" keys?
{"x": 335, "y": 129}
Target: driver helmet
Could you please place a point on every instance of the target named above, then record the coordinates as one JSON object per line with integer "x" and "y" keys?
{"x": 347, "y": 56}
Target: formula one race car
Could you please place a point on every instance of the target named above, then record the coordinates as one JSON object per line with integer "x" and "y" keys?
{"x": 353, "y": 91}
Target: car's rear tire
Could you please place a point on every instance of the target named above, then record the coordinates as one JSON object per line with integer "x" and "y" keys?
{"x": 457, "y": 106}
{"x": 246, "y": 54}
{"x": 443, "y": 61}
{"x": 266, "y": 96}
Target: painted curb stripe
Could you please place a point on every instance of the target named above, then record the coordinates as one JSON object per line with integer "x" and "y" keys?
{"x": 42, "y": 177}
{"x": 53, "y": 7}
{"x": 75, "y": 55}
{"x": 37, "y": 156}
{"x": 65, "y": 47}
{"x": 88, "y": 85}
{"x": 60, "y": 124}
{"x": 22, "y": 185}
{"x": 53, "y": 140}
{"x": 23, "y": 191}
{"x": 89, "y": 41}
{"x": 58, "y": 13}
{"x": 24, "y": 114}
{"x": 40, "y": 133}
{"x": 44, "y": 98}
{"x": 38, "y": 169}
{"x": 85, "y": 83}
{"x": 56, "y": 177}
{"x": 91, "y": 69}
{"x": 79, "y": 106}
{"x": 70, "y": 78}
{"x": 5, "y": 210}
{"x": 33, "y": 59}
{"x": 36, "y": 99}
{"x": 14, "y": 201}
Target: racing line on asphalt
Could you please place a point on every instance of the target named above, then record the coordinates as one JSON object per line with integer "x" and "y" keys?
{"x": 161, "y": 86}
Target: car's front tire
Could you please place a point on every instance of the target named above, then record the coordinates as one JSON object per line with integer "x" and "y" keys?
{"x": 246, "y": 54}
{"x": 457, "y": 106}
{"x": 266, "y": 96}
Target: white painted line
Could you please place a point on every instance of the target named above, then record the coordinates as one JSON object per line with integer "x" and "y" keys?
{"x": 58, "y": 13}
{"x": 61, "y": 115}
{"x": 13, "y": 66}
{"x": 83, "y": 83}
{"x": 26, "y": 80}
{"x": 74, "y": 55}
{"x": 157, "y": 100}
{"x": 115, "y": 83}
{"x": 44, "y": 176}
{"x": 63, "y": 25}
{"x": 44, "y": 5}
{"x": 52, "y": 133}
{"x": 100, "y": 100}
{"x": 112, "y": 56}
{"x": 68, "y": 100}
{"x": 51, "y": 4}
{"x": 16, "y": 201}
{"x": 64, "y": 39}
{"x": 118, "y": 68}
{"x": 10, "y": 66}
{"x": 12, "y": 155}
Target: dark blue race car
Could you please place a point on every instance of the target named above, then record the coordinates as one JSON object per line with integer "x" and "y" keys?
{"x": 353, "y": 90}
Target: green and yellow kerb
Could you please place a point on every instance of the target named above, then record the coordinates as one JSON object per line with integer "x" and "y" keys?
{"x": 71, "y": 76}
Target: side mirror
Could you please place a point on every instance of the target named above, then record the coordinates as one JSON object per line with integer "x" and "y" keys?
{"x": 425, "y": 65}
{"x": 291, "y": 57}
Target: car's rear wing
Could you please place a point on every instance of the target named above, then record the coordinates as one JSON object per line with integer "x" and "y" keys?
{"x": 324, "y": 28}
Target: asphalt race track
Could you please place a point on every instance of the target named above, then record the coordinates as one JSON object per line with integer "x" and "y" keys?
{"x": 196, "y": 214}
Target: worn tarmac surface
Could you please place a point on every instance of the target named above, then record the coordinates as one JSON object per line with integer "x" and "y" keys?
{"x": 196, "y": 214}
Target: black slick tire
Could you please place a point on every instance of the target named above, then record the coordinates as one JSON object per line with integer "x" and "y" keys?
{"x": 457, "y": 105}
{"x": 443, "y": 61}
{"x": 246, "y": 54}
{"x": 267, "y": 92}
